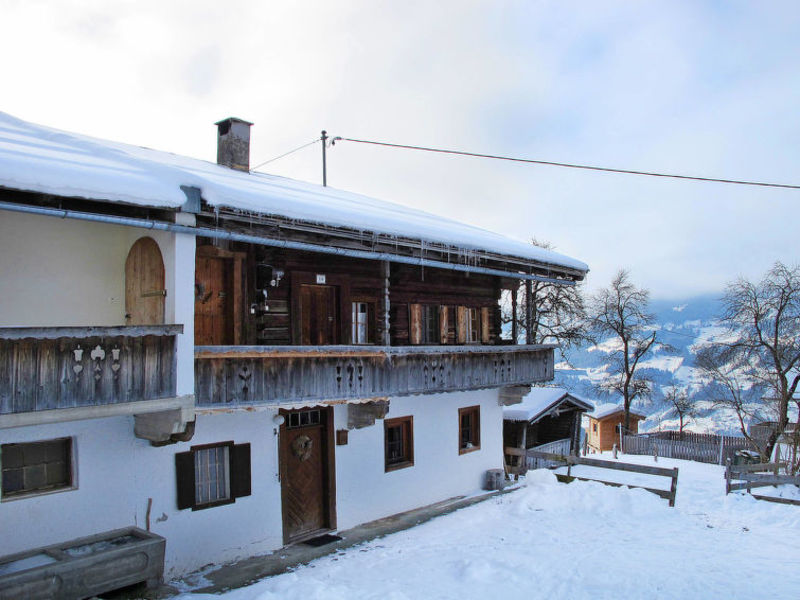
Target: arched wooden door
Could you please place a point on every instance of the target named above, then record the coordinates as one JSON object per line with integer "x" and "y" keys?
{"x": 144, "y": 284}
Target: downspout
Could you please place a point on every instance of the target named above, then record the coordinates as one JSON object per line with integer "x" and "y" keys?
{"x": 264, "y": 241}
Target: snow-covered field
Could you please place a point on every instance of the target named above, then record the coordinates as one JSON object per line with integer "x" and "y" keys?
{"x": 582, "y": 540}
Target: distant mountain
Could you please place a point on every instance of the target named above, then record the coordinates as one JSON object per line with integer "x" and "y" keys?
{"x": 685, "y": 325}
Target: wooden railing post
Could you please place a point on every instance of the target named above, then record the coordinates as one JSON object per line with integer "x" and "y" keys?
{"x": 673, "y": 490}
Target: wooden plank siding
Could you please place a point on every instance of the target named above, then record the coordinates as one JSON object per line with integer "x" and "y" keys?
{"x": 359, "y": 280}
{"x": 50, "y": 368}
{"x": 228, "y": 376}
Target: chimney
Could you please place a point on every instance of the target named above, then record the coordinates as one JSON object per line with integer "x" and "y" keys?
{"x": 233, "y": 143}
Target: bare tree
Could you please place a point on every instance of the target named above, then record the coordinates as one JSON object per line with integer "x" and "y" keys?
{"x": 765, "y": 318}
{"x": 732, "y": 386}
{"x": 558, "y": 312}
{"x": 620, "y": 311}
{"x": 683, "y": 403}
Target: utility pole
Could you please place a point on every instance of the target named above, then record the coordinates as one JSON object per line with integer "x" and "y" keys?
{"x": 324, "y": 167}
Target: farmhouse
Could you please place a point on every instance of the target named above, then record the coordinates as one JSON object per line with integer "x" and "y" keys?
{"x": 605, "y": 424}
{"x": 236, "y": 361}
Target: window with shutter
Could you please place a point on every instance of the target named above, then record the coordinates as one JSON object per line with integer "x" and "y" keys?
{"x": 212, "y": 475}
{"x": 423, "y": 323}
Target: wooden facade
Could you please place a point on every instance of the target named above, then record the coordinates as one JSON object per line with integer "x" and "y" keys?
{"x": 68, "y": 367}
{"x": 317, "y": 289}
{"x": 604, "y": 432}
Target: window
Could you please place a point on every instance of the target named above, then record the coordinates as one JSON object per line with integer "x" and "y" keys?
{"x": 430, "y": 324}
{"x": 469, "y": 429}
{"x": 36, "y": 467}
{"x": 363, "y": 323}
{"x": 423, "y": 323}
{"x": 399, "y": 442}
{"x": 472, "y": 325}
{"x": 212, "y": 475}
{"x": 594, "y": 427}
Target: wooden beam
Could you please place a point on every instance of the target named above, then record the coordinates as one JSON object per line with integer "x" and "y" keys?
{"x": 528, "y": 312}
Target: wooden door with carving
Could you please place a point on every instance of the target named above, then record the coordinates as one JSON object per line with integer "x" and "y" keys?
{"x": 144, "y": 284}
{"x": 306, "y": 474}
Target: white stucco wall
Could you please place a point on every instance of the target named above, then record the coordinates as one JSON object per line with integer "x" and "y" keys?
{"x": 117, "y": 473}
{"x": 365, "y": 491}
{"x": 63, "y": 272}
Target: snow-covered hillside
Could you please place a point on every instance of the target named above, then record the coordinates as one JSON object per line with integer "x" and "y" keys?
{"x": 685, "y": 325}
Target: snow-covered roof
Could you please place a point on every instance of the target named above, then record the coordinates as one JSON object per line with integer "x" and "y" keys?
{"x": 606, "y": 410}
{"x": 539, "y": 401}
{"x": 41, "y": 159}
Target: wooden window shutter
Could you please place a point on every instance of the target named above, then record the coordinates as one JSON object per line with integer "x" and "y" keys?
{"x": 461, "y": 324}
{"x": 485, "y": 324}
{"x": 443, "y": 325}
{"x": 415, "y": 323}
{"x": 240, "y": 470}
{"x": 184, "y": 469}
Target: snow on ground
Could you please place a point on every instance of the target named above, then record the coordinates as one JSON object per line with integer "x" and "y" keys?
{"x": 582, "y": 540}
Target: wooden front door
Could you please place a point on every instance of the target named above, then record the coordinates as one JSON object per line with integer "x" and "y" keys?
{"x": 213, "y": 301}
{"x": 319, "y": 323}
{"x": 306, "y": 459}
{"x": 144, "y": 284}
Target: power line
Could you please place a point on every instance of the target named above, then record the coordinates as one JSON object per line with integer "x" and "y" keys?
{"x": 571, "y": 165}
{"x": 314, "y": 141}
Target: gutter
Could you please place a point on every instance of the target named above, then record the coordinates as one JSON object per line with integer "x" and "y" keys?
{"x": 265, "y": 241}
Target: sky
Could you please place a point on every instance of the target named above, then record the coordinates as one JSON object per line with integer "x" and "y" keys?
{"x": 693, "y": 87}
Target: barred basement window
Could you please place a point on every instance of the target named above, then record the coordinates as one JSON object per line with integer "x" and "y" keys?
{"x": 469, "y": 429}
{"x": 212, "y": 475}
{"x": 398, "y": 443}
{"x": 35, "y": 467}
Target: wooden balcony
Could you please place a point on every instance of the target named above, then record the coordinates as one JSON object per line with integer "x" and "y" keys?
{"x": 262, "y": 375}
{"x": 45, "y": 368}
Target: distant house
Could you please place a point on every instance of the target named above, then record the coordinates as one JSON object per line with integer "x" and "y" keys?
{"x": 236, "y": 361}
{"x": 605, "y": 424}
{"x": 547, "y": 415}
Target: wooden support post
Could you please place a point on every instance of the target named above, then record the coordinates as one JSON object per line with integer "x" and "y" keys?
{"x": 528, "y": 312}
{"x": 514, "y": 331}
{"x": 387, "y": 338}
{"x": 523, "y": 466}
{"x": 728, "y": 477}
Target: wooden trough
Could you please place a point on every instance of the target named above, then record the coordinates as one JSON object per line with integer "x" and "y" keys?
{"x": 84, "y": 567}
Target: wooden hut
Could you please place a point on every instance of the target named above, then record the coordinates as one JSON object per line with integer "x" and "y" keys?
{"x": 605, "y": 424}
{"x": 547, "y": 416}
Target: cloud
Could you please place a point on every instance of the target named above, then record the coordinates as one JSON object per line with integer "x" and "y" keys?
{"x": 704, "y": 88}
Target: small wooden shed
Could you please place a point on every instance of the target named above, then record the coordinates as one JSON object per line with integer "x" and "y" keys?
{"x": 605, "y": 424}
{"x": 546, "y": 415}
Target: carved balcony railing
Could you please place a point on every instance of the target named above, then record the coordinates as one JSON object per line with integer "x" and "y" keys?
{"x": 251, "y": 375}
{"x": 44, "y": 368}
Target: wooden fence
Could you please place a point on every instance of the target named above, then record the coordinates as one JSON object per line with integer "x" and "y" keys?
{"x": 560, "y": 447}
{"x": 747, "y": 477}
{"x": 570, "y": 461}
{"x": 700, "y": 447}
